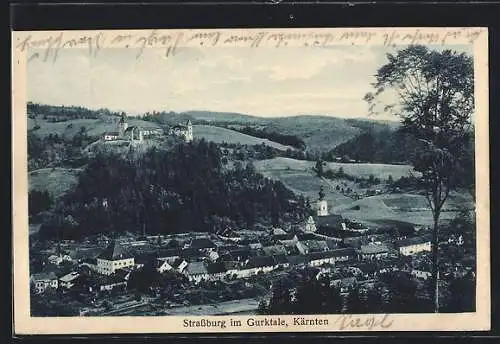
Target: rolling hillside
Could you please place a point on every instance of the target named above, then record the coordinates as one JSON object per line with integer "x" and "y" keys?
{"x": 94, "y": 127}
{"x": 57, "y": 181}
{"x": 219, "y": 135}
{"x": 400, "y": 207}
{"x": 320, "y": 133}
{"x": 382, "y": 171}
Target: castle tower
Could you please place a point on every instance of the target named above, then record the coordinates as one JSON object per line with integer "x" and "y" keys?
{"x": 189, "y": 133}
{"x": 322, "y": 205}
{"x": 122, "y": 125}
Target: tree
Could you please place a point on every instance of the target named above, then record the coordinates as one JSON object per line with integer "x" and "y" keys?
{"x": 354, "y": 303}
{"x": 319, "y": 168}
{"x": 433, "y": 95}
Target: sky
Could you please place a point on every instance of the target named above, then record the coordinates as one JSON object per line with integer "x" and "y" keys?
{"x": 263, "y": 82}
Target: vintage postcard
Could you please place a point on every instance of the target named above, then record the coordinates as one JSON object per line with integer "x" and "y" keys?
{"x": 251, "y": 180}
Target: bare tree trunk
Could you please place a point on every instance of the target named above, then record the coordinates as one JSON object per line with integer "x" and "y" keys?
{"x": 435, "y": 261}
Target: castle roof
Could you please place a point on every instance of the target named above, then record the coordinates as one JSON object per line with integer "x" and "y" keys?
{"x": 115, "y": 251}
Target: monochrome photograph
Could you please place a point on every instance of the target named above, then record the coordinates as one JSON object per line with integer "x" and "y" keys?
{"x": 250, "y": 181}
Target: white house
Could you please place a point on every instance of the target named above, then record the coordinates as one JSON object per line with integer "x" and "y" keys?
{"x": 374, "y": 250}
{"x": 170, "y": 263}
{"x": 43, "y": 281}
{"x": 196, "y": 272}
{"x": 414, "y": 245}
{"x": 68, "y": 281}
{"x": 114, "y": 257}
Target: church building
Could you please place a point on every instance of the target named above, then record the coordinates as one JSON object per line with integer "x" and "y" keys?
{"x": 184, "y": 131}
{"x": 322, "y": 204}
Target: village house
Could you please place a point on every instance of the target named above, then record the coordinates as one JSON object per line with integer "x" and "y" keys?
{"x": 202, "y": 245}
{"x": 274, "y": 250}
{"x": 414, "y": 245}
{"x": 183, "y": 131}
{"x": 216, "y": 271}
{"x": 329, "y": 225}
{"x": 374, "y": 250}
{"x": 331, "y": 257}
{"x": 104, "y": 283}
{"x": 281, "y": 261}
{"x": 255, "y": 265}
{"x": 286, "y": 239}
{"x": 196, "y": 272}
{"x": 299, "y": 260}
{"x": 43, "y": 281}
{"x": 311, "y": 246}
{"x": 174, "y": 263}
{"x": 68, "y": 281}
{"x": 59, "y": 258}
{"x": 114, "y": 257}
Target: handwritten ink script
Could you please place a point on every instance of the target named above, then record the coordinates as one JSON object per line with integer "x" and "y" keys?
{"x": 48, "y": 47}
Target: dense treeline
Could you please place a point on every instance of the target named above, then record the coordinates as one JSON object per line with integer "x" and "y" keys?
{"x": 383, "y": 147}
{"x": 166, "y": 118}
{"x": 57, "y": 150}
{"x": 287, "y": 140}
{"x": 65, "y": 113}
{"x": 185, "y": 189}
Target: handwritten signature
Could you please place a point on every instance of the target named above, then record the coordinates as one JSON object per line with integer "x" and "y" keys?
{"x": 370, "y": 322}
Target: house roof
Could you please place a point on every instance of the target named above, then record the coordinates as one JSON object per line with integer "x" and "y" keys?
{"x": 278, "y": 231}
{"x": 284, "y": 237}
{"x": 122, "y": 273}
{"x": 297, "y": 259}
{"x": 261, "y": 261}
{"x": 367, "y": 268}
{"x": 115, "y": 251}
{"x": 44, "y": 276}
{"x": 196, "y": 268}
{"x": 413, "y": 241}
{"x": 280, "y": 259}
{"x": 374, "y": 248}
{"x": 215, "y": 268}
{"x": 315, "y": 245}
{"x": 241, "y": 254}
{"x": 132, "y": 127}
{"x": 333, "y": 221}
{"x": 274, "y": 249}
{"x": 307, "y": 236}
{"x": 200, "y": 243}
{"x": 69, "y": 277}
{"x": 111, "y": 133}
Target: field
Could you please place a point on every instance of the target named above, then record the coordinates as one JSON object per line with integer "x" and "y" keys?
{"x": 56, "y": 181}
{"x": 299, "y": 177}
{"x": 382, "y": 171}
{"x": 219, "y": 135}
{"x": 400, "y": 207}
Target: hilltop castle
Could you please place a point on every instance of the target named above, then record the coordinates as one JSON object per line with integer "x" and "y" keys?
{"x": 137, "y": 134}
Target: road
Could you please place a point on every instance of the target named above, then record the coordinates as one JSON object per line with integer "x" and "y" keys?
{"x": 244, "y": 306}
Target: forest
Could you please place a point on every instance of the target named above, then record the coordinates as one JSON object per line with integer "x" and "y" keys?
{"x": 183, "y": 189}
{"x": 65, "y": 113}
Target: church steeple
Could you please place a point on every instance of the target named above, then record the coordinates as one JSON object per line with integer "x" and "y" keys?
{"x": 321, "y": 193}
{"x": 122, "y": 125}
{"x": 322, "y": 205}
